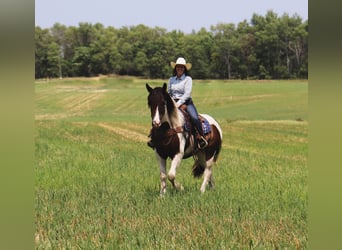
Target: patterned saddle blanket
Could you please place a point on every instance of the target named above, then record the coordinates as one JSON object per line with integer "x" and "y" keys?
{"x": 205, "y": 124}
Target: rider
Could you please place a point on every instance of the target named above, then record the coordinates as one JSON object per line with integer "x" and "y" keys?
{"x": 180, "y": 88}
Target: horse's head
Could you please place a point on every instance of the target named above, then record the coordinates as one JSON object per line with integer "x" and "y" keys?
{"x": 160, "y": 104}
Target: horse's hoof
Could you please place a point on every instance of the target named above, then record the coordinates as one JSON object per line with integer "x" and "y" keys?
{"x": 179, "y": 187}
{"x": 171, "y": 177}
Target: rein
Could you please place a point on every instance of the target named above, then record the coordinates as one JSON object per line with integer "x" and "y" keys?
{"x": 171, "y": 132}
{"x": 178, "y": 129}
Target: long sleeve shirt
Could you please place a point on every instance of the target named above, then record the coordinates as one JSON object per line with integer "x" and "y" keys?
{"x": 180, "y": 88}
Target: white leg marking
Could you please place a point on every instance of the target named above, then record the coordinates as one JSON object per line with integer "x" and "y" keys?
{"x": 162, "y": 166}
{"x": 207, "y": 175}
{"x": 176, "y": 162}
{"x": 206, "y": 178}
{"x": 210, "y": 163}
{"x": 172, "y": 173}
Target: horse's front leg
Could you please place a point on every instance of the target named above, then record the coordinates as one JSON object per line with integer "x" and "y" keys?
{"x": 162, "y": 166}
{"x": 175, "y": 163}
{"x": 172, "y": 172}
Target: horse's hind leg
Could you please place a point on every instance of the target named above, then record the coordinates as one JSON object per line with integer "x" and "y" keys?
{"x": 211, "y": 182}
{"x": 206, "y": 178}
{"x": 208, "y": 175}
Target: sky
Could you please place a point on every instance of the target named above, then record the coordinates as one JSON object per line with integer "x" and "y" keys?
{"x": 186, "y": 16}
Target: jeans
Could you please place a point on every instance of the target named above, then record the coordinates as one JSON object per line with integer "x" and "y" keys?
{"x": 194, "y": 116}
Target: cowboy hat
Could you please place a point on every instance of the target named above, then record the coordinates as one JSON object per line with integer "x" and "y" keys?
{"x": 181, "y": 61}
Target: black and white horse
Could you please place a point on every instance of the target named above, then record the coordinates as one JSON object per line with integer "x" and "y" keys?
{"x": 172, "y": 140}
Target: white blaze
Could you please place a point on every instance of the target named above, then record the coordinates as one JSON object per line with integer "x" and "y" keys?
{"x": 156, "y": 118}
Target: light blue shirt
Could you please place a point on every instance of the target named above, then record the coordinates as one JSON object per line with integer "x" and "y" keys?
{"x": 180, "y": 88}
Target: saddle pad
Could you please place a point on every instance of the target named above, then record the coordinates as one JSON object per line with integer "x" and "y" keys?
{"x": 205, "y": 126}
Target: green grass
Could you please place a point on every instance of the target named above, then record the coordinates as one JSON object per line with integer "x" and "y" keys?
{"x": 97, "y": 183}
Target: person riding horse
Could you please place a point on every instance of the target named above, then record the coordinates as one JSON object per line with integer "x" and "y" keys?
{"x": 180, "y": 89}
{"x": 171, "y": 139}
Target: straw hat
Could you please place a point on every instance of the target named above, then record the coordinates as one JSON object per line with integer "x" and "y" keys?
{"x": 181, "y": 61}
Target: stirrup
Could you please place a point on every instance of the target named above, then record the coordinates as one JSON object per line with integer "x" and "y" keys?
{"x": 202, "y": 144}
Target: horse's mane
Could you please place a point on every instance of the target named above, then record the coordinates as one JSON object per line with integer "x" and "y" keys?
{"x": 177, "y": 120}
{"x": 170, "y": 104}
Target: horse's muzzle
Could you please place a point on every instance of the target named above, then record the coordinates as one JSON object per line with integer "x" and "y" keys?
{"x": 156, "y": 124}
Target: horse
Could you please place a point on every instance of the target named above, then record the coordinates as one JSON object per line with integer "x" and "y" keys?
{"x": 172, "y": 140}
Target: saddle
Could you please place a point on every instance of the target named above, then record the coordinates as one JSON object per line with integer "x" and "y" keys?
{"x": 164, "y": 136}
{"x": 189, "y": 127}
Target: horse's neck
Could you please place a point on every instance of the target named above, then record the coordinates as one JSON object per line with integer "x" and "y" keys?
{"x": 176, "y": 119}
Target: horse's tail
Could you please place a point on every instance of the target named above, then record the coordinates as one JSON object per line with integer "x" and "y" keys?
{"x": 197, "y": 169}
{"x": 217, "y": 152}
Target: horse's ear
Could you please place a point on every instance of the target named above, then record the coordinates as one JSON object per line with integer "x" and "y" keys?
{"x": 164, "y": 86}
{"x": 149, "y": 89}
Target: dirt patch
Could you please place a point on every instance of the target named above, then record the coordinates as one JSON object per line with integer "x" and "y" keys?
{"x": 50, "y": 116}
{"x": 126, "y": 133}
{"x": 287, "y": 122}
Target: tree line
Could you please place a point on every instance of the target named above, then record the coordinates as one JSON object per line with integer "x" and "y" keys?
{"x": 267, "y": 47}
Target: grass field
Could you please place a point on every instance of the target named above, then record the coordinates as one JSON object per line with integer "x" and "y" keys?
{"x": 97, "y": 183}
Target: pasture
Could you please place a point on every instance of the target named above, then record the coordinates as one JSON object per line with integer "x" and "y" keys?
{"x": 97, "y": 182}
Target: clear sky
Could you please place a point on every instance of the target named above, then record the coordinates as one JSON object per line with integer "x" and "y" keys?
{"x": 184, "y": 15}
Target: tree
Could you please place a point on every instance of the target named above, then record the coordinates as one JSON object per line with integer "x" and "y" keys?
{"x": 298, "y": 45}
{"x": 81, "y": 61}
{"x": 42, "y": 40}
{"x": 267, "y": 47}
{"x": 198, "y": 50}
{"x": 225, "y": 46}
{"x": 247, "y": 66}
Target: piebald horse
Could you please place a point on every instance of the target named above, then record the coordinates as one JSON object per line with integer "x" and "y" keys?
{"x": 172, "y": 141}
